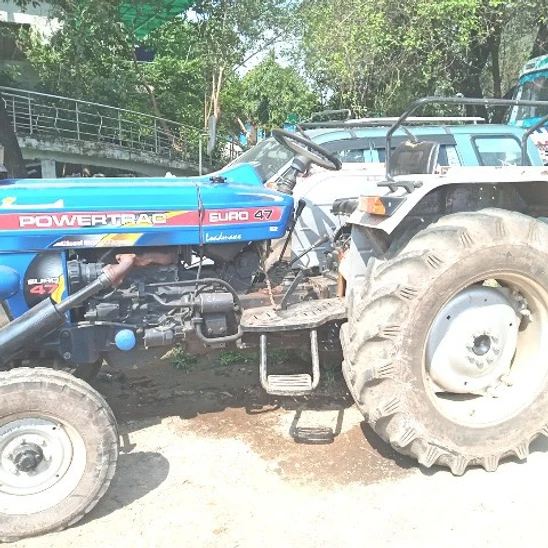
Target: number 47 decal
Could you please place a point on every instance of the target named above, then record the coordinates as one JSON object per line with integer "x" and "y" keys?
{"x": 263, "y": 214}
{"x": 43, "y": 289}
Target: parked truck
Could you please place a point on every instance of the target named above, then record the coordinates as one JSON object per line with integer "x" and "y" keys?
{"x": 436, "y": 286}
{"x": 533, "y": 86}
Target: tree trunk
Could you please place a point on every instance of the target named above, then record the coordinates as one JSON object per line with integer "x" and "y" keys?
{"x": 154, "y": 103}
{"x": 13, "y": 158}
{"x": 468, "y": 75}
{"x": 540, "y": 45}
{"x": 494, "y": 50}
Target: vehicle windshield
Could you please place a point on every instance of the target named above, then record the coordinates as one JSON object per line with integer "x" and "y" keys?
{"x": 533, "y": 87}
{"x": 268, "y": 157}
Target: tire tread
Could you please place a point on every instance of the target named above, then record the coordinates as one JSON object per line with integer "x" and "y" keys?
{"x": 379, "y": 309}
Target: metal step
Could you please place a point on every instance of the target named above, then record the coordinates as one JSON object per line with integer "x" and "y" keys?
{"x": 290, "y": 385}
{"x": 305, "y": 315}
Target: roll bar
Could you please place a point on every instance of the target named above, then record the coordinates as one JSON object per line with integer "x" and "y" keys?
{"x": 486, "y": 102}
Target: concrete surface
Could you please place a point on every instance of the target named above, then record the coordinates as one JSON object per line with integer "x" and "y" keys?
{"x": 215, "y": 466}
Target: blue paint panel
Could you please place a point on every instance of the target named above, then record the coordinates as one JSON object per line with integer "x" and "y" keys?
{"x": 19, "y": 262}
{"x": 40, "y": 216}
{"x": 37, "y": 214}
{"x": 10, "y": 282}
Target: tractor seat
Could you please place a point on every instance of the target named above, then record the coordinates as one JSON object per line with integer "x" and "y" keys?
{"x": 410, "y": 158}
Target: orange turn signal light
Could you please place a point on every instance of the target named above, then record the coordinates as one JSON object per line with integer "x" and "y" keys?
{"x": 372, "y": 205}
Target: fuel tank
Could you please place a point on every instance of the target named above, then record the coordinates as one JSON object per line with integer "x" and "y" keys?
{"x": 231, "y": 206}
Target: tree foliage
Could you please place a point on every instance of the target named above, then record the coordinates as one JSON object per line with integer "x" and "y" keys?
{"x": 271, "y": 92}
{"x": 378, "y": 55}
{"x": 89, "y": 57}
{"x": 374, "y": 56}
{"x": 231, "y": 31}
{"x": 92, "y": 55}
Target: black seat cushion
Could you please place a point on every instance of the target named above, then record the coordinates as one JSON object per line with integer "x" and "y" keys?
{"x": 410, "y": 158}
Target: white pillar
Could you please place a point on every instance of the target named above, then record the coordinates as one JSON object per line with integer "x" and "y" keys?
{"x": 48, "y": 169}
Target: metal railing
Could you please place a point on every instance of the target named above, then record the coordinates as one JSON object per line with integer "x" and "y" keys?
{"x": 45, "y": 115}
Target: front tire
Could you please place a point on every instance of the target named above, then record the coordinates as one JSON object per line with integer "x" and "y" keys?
{"x": 444, "y": 347}
{"x": 58, "y": 451}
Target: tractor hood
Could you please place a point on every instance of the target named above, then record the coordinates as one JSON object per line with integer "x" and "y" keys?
{"x": 231, "y": 206}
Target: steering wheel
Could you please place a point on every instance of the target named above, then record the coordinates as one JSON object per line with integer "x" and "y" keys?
{"x": 313, "y": 152}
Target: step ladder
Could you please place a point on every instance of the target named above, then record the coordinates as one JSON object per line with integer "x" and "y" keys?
{"x": 290, "y": 385}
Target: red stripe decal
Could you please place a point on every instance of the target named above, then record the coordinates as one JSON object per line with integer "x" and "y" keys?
{"x": 152, "y": 219}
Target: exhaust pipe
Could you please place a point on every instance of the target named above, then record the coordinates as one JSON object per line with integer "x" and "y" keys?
{"x": 47, "y": 316}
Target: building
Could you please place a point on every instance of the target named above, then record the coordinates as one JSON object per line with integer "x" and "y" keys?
{"x": 14, "y": 69}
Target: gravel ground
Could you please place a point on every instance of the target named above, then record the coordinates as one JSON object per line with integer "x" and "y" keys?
{"x": 209, "y": 461}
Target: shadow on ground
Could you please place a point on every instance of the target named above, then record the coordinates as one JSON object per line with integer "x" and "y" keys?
{"x": 137, "y": 475}
{"x": 319, "y": 438}
{"x": 226, "y": 401}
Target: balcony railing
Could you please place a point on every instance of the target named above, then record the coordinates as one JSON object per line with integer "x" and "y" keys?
{"x": 52, "y": 116}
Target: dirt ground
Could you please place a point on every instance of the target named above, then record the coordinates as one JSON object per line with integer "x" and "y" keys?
{"x": 209, "y": 460}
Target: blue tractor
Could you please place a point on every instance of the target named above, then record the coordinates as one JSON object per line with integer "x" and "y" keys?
{"x": 93, "y": 268}
{"x": 434, "y": 282}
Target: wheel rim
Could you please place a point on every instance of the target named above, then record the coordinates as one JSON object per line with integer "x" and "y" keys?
{"x": 484, "y": 356}
{"x": 41, "y": 462}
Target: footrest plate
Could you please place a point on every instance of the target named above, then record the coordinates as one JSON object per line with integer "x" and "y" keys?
{"x": 305, "y": 315}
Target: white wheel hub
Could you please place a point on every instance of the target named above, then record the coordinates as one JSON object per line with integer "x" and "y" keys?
{"x": 473, "y": 340}
{"x": 41, "y": 462}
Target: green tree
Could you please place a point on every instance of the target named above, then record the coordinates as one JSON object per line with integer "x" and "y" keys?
{"x": 233, "y": 31}
{"x": 177, "y": 73}
{"x": 90, "y": 57}
{"x": 376, "y": 56}
{"x": 271, "y": 92}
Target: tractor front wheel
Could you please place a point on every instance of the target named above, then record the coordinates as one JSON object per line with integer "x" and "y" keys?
{"x": 58, "y": 451}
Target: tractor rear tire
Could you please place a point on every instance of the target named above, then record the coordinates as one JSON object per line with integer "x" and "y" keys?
{"x": 444, "y": 350}
{"x": 58, "y": 451}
